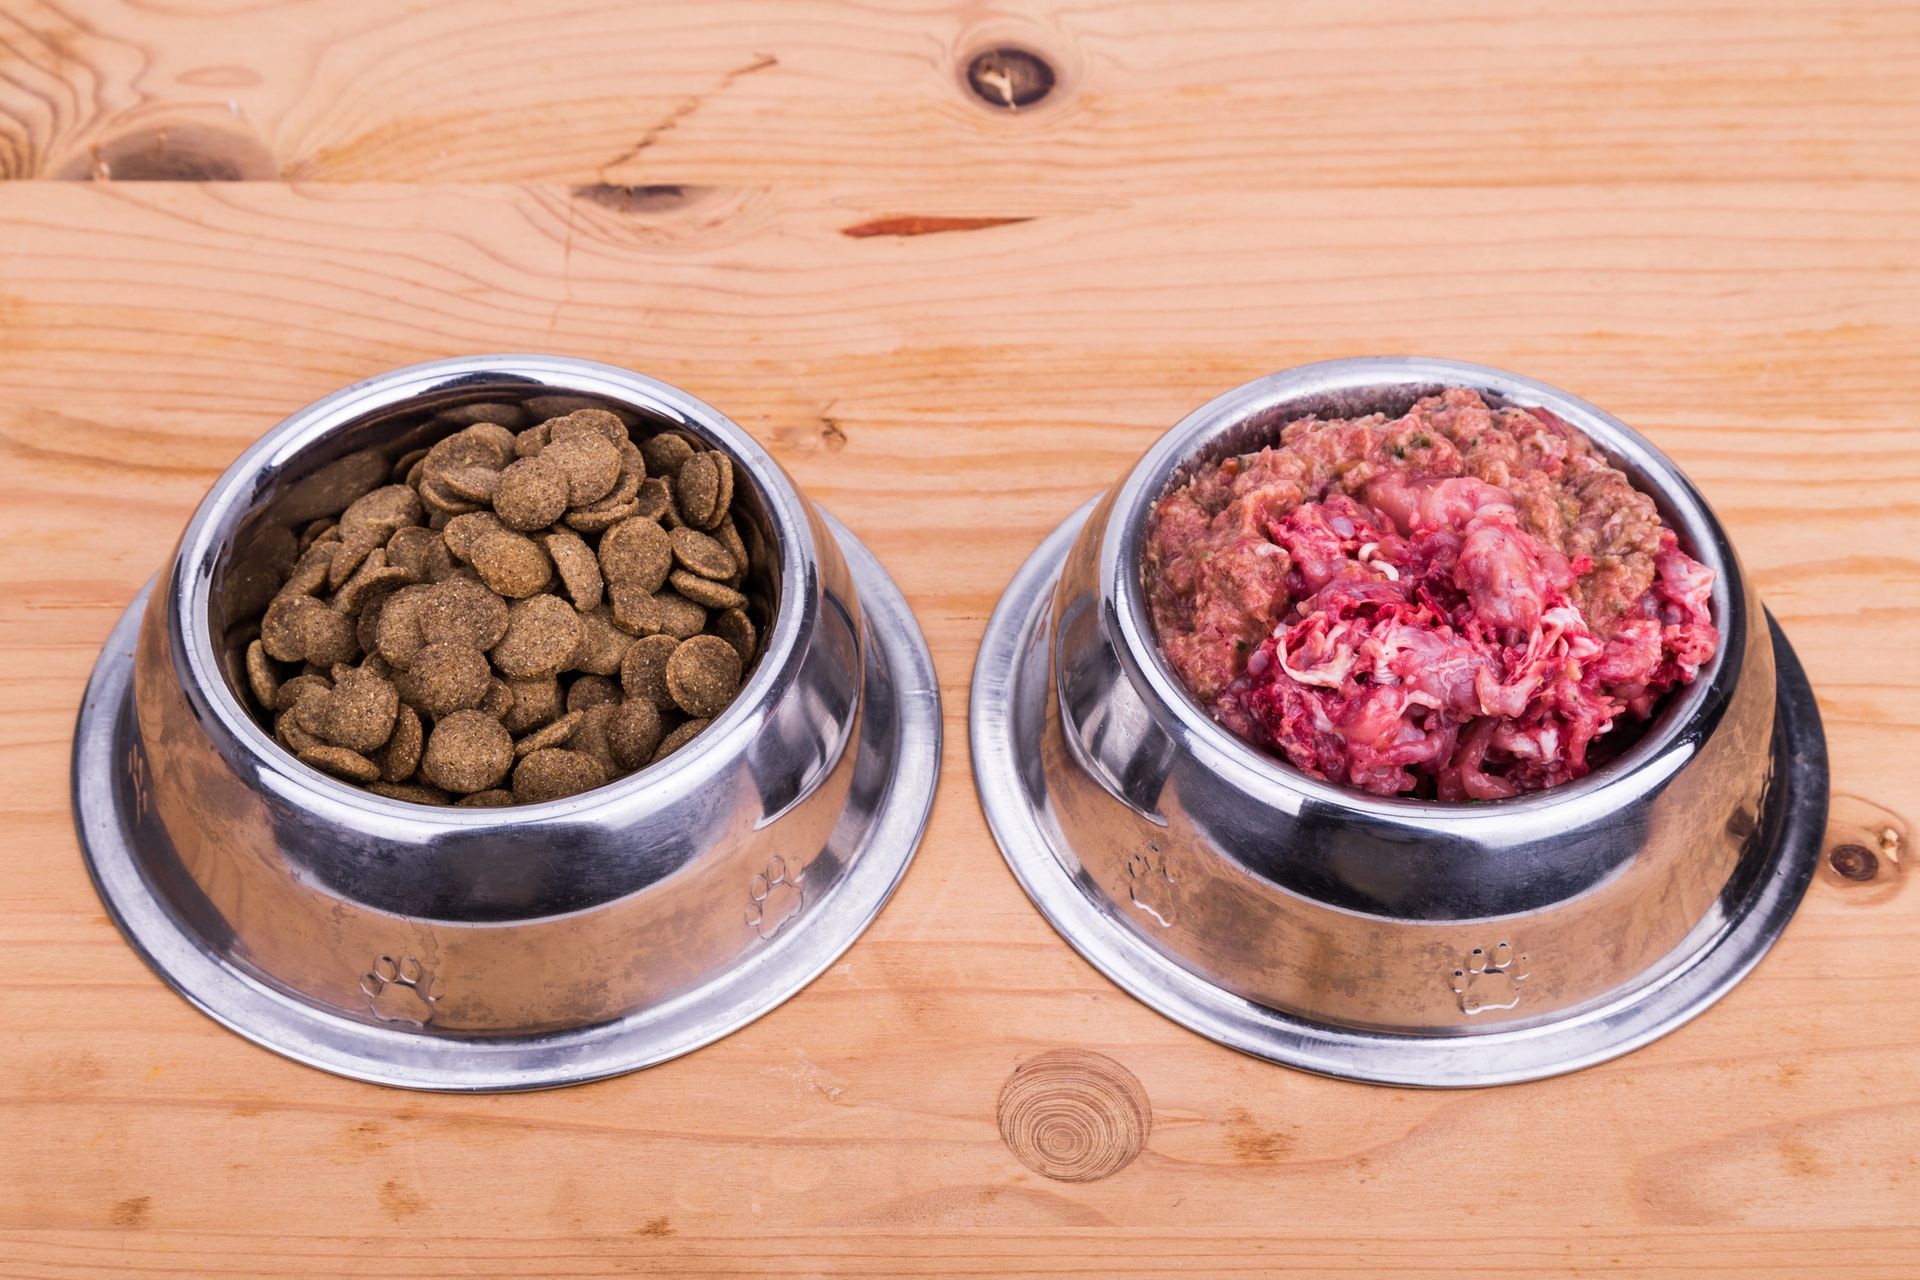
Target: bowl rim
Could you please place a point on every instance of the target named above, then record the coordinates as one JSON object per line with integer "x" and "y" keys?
{"x": 237, "y": 492}
{"x": 1682, "y": 508}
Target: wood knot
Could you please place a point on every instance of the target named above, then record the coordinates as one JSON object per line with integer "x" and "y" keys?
{"x": 1074, "y": 1116}
{"x": 1010, "y": 77}
{"x": 186, "y": 151}
{"x": 1854, "y": 861}
{"x": 1866, "y": 848}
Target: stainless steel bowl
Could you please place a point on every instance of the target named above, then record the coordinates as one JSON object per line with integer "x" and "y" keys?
{"x": 1383, "y": 939}
{"x": 509, "y": 948}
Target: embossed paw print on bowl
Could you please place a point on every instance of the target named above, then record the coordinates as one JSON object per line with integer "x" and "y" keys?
{"x": 400, "y": 991}
{"x": 1150, "y": 884}
{"x": 530, "y": 946}
{"x": 1487, "y": 980}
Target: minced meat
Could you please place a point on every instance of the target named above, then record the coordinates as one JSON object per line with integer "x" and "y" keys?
{"x": 1456, "y": 603}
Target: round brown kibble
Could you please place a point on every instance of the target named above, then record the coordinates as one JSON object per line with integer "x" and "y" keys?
{"x": 398, "y": 634}
{"x": 697, "y": 489}
{"x": 408, "y": 549}
{"x": 551, "y": 735}
{"x": 634, "y": 609}
{"x": 591, "y": 691}
{"x": 679, "y": 616}
{"x": 736, "y": 628}
{"x": 401, "y": 758}
{"x": 467, "y": 751}
{"x": 512, "y": 564}
{"x": 579, "y": 568}
{"x": 702, "y": 553}
{"x": 704, "y": 591}
{"x": 358, "y": 712}
{"x": 643, "y": 672}
{"x": 493, "y": 798}
{"x": 634, "y": 733}
{"x": 555, "y": 773}
{"x": 374, "y": 580}
{"x": 636, "y": 553}
{"x": 463, "y": 533}
{"x": 340, "y": 762}
{"x": 654, "y": 499}
{"x": 377, "y": 514}
{"x": 461, "y": 611}
{"x": 602, "y": 644}
{"x": 499, "y": 700}
{"x": 542, "y": 634}
{"x": 532, "y": 493}
{"x": 598, "y": 421}
{"x": 534, "y": 702}
{"x": 590, "y": 460}
{"x": 445, "y": 678}
{"x": 590, "y": 736}
{"x": 301, "y": 629}
{"x": 665, "y": 453}
{"x": 260, "y": 675}
{"x": 294, "y": 690}
{"x": 530, "y": 442}
{"x": 679, "y": 738}
{"x": 703, "y": 675}
{"x": 411, "y": 792}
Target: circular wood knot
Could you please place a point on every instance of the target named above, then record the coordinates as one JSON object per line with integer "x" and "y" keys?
{"x": 1854, "y": 861}
{"x": 1010, "y": 77}
{"x": 1074, "y": 1116}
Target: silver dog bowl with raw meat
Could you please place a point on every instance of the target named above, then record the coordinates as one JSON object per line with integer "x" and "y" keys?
{"x": 1386, "y": 939}
{"x": 506, "y": 948}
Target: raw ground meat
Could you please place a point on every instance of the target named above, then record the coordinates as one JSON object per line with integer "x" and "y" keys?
{"x": 1457, "y": 603}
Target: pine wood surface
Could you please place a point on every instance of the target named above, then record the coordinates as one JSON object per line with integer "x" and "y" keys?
{"x": 952, "y": 323}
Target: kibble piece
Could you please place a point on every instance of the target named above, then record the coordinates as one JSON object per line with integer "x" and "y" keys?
{"x": 512, "y": 564}
{"x": 636, "y": 553}
{"x": 591, "y": 691}
{"x": 340, "y": 762}
{"x": 591, "y": 462}
{"x": 666, "y": 453}
{"x": 400, "y": 758}
{"x": 357, "y": 713}
{"x": 555, "y": 773}
{"x": 703, "y": 675}
{"x": 532, "y": 493}
{"x": 704, "y": 591}
{"x": 510, "y": 416}
{"x": 578, "y": 567}
{"x": 679, "y": 738}
{"x": 375, "y": 579}
{"x": 463, "y": 533}
{"x": 366, "y": 627}
{"x": 442, "y": 500}
{"x": 598, "y": 421}
{"x": 291, "y": 736}
{"x": 729, "y": 536}
{"x": 407, "y": 549}
{"x": 736, "y": 628}
{"x": 301, "y": 629}
{"x": 654, "y": 499}
{"x": 702, "y": 553}
{"x": 553, "y": 734}
{"x": 377, "y": 514}
{"x": 347, "y": 556}
{"x": 310, "y": 573}
{"x": 542, "y": 634}
{"x": 459, "y": 611}
{"x": 440, "y": 562}
{"x": 634, "y": 733}
{"x": 602, "y": 643}
{"x": 530, "y": 442}
{"x": 697, "y": 489}
{"x": 492, "y": 798}
{"x": 679, "y": 616}
{"x": 534, "y": 703}
{"x": 643, "y": 673}
{"x": 590, "y": 737}
{"x": 499, "y": 699}
{"x": 314, "y": 530}
{"x": 398, "y": 632}
{"x": 295, "y": 689}
{"x": 260, "y": 675}
{"x": 411, "y": 792}
{"x": 467, "y": 751}
{"x": 634, "y": 610}
{"x": 446, "y": 678}
{"x": 476, "y": 484}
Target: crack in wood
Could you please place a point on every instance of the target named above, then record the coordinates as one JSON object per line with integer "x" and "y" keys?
{"x": 686, "y": 107}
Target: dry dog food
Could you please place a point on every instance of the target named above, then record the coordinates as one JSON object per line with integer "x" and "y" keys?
{"x": 528, "y": 609}
{"x": 1461, "y": 603}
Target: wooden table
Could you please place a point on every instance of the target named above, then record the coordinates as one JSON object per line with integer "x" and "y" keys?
{"x": 952, "y": 321}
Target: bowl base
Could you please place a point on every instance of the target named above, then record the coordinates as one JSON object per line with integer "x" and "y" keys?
{"x": 1011, "y": 685}
{"x": 892, "y": 793}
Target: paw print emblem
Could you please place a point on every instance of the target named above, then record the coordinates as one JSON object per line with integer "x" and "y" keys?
{"x": 773, "y": 897}
{"x": 400, "y": 991}
{"x": 1150, "y": 883}
{"x": 140, "y": 781}
{"x": 1488, "y": 979}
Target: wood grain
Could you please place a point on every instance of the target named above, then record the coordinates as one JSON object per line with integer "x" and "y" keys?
{"x": 953, "y": 323}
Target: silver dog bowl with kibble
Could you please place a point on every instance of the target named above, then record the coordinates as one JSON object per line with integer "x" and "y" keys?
{"x": 507, "y": 948}
{"x": 1389, "y": 940}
